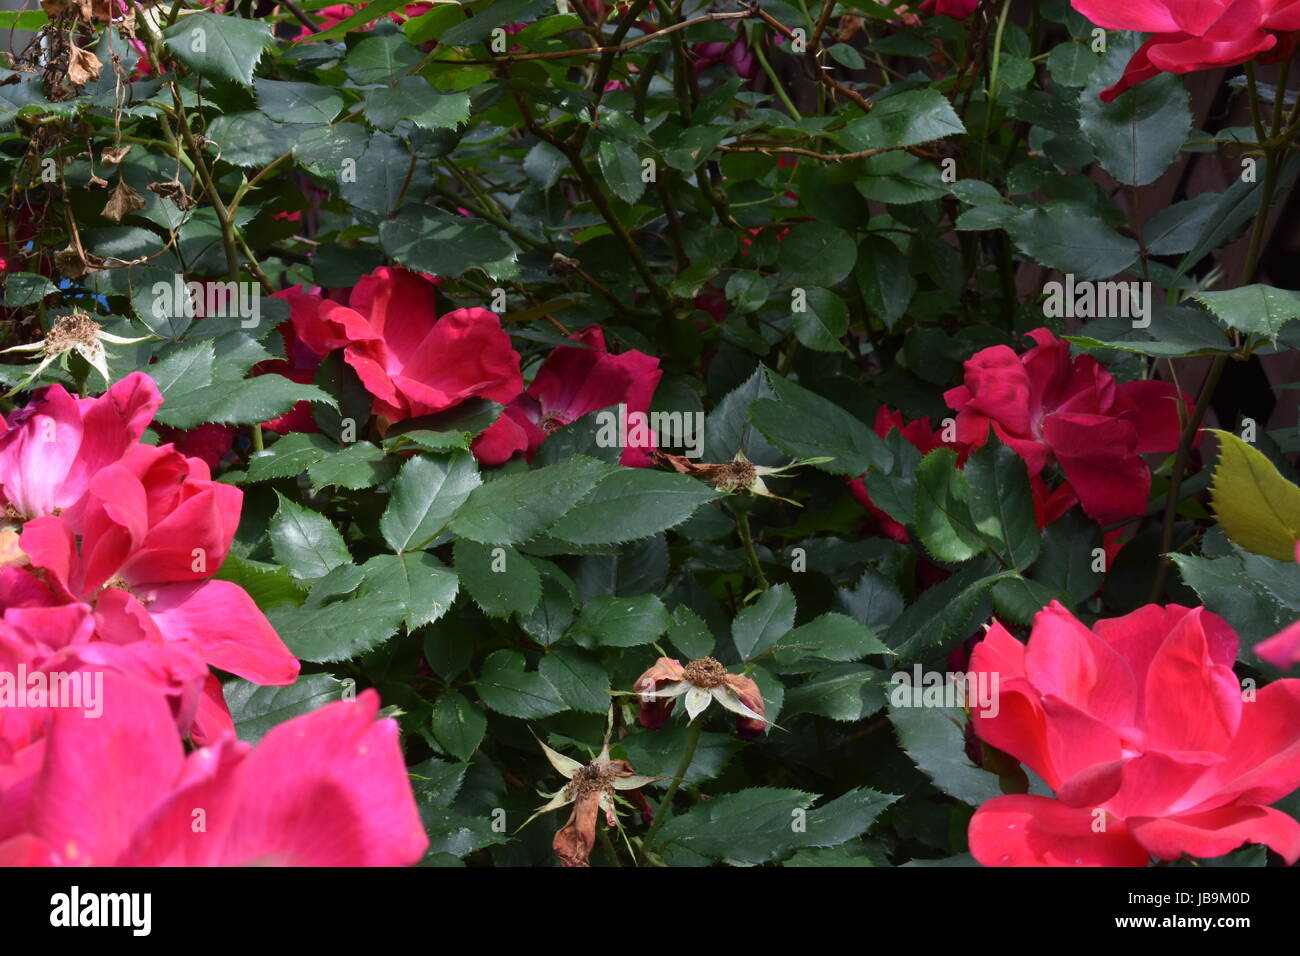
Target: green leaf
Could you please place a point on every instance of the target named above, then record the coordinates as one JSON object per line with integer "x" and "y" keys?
{"x": 621, "y": 169}
{"x": 1227, "y": 589}
{"x": 632, "y": 503}
{"x": 579, "y": 678}
{"x": 269, "y": 585}
{"x": 727, "y": 428}
{"x": 1257, "y": 309}
{"x": 418, "y": 581}
{"x": 822, "y": 321}
{"x": 428, "y": 491}
{"x": 289, "y": 457}
{"x": 749, "y": 827}
{"x": 760, "y": 626}
{"x": 844, "y": 692}
{"x": 852, "y": 447}
{"x": 943, "y": 517}
{"x": 904, "y": 119}
{"x": 191, "y": 397}
{"x": 219, "y": 47}
{"x": 380, "y": 58}
{"x": 426, "y": 240}
{"x": 26, "y": 288}
{"x": 305, "y": 542}
{"x": 1001, "y": 505}
{"x": 660, "y": 753}
{"x": 23, "y": 19}
{"x": 508, "y": 689}
{"x": 934, "y": 737}
{"x": 873, "y": 601}
{"x": 1141, "y": 132}
{"x": 1069, "y": 561}
{"x": 817, "y": 254}
{"x": 1068, "y": 240}
{"x": 500, "y": 580}
{"x": 544, "y": 165}
{"x": 256, "y": 709}
{"x": 515, "y": 508}
{"x": 498, "y": 13}
{"x": 548, "y": 622}
{"x": 611, "y": 621}
{"x": 1018, "y": 600}
{"x": 415, "y": 100}
{"x": 336, "y": 631}
{"x": 458, "y": 725}
{"x": 884, "y": 279}
{"x": 297, "y": 102}
{"x": 385, "y": 165}
{"x": 689, "y": 634}
{"x": 359, "y": 465}
{"x": 835, "y": 637}
{"x": 943, "y": 613}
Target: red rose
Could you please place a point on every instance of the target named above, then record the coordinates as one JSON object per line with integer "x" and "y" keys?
{"x": 1051, "y": 408}
{"x": 413, "y": 362}
{"x": 1140, "y": 727}
{"x": 957, "y": 9}
{"x": 572, "y": 382}
{"x": 1191, "y": 36}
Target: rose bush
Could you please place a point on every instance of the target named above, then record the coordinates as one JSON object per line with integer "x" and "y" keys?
{"x": 388, "y": 384}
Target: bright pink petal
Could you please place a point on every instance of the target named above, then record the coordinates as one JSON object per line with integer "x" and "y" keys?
{"x": 102, "y": 775}
{"x": 1282, "y": 650}
{"x": 1147, "y": 16}
{"x": 1066, "y": 660}
{"x": 1037, "y": 831}
{"x": 1192, "y": 701}
{"x": 329, "y": 788}
{"x": 231, "y": 632}
{"x": 1218, "y": 832}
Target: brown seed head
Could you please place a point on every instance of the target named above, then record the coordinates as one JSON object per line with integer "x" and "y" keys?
{"x": 592, "y": 778}
{"x": 70, "y": 331}
{"x": 705, "y": 673}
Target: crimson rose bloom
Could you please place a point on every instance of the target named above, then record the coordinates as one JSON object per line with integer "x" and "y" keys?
{"x": 1047, "y": 408}
{"x": 1190, "y": 36}
{"x": 1048, "y": 505}
{"x": 1140, "y": 727}
{"x": 957, "y": 9}
{"x": 413, "y": 362}
{"x": 572, "y": 382}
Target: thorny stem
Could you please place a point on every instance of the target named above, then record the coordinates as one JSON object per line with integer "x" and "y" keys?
{"x": 664, "y": 809}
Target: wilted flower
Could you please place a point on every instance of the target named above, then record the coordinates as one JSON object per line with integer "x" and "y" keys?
{"x": 702, "y": 681}
{"x": 78, "y": 333}
{"x": 590, "y": 789}
{"x": 739, "y": 474}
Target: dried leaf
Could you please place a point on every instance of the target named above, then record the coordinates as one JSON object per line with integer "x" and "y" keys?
{"x": 83, "y": 66}
{"x": 122, "y": 202}
{"x": 73, "y": 264}
{"x": 114, "y": 154}
{"x": 173, "y": 190}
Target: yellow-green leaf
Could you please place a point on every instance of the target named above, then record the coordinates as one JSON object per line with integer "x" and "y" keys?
{"x": 1256, "y": 507}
